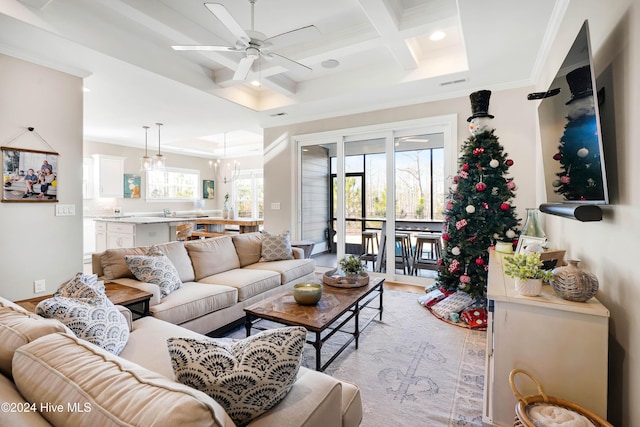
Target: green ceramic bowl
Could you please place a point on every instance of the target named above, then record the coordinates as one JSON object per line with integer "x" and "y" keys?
{"x": 307, "y": 293}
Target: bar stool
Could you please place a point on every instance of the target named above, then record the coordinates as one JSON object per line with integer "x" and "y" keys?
{"x": 370, "y": 246}
{"x": 403, "y": 260}
{"x": 427, "y": 243}
{"x": 184, "y": 231}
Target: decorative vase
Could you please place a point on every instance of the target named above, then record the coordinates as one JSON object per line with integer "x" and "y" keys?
{"x": 532, "y": 226}
{"x": 528, "y": 287}
{"x": 573, "y": 283}
{"x": 231, "y": 213}
{"x": 225, "y": 212}
{"x": 352, "y": 277}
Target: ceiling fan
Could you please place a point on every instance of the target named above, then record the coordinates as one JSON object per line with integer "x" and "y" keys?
{"x": 254, "y": 44}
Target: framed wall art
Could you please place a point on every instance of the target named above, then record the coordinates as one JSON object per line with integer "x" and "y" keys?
{"x": 208, "y": 189}
{"x": 29, "y": 175}
{"x": 131, "y": 186}
{"x": 528, "y": 244}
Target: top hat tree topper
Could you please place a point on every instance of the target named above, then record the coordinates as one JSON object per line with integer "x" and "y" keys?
{"x": 579, "y": 81}
{"x": 480, "y": 104}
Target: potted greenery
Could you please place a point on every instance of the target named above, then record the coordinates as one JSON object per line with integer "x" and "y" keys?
{"x": 528, "y": 273}
{"x": 352, "y": 266}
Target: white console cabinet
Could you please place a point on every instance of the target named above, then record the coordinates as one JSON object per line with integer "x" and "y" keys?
{"x": 116, "y": 234}
{"x": 563, "y": 344}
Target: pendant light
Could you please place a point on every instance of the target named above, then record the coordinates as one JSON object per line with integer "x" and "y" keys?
{"x": 231, "y": 171}
{"x": 146, "y": 164}
{"x": 159, "y": 160}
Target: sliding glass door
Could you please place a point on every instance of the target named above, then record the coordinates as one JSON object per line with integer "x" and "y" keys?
{"x": 372, "y": 193}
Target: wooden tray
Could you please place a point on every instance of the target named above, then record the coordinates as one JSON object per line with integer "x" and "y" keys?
{"x": 331, "y": 278}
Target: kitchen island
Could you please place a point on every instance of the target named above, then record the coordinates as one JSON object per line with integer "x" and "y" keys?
{"x": 132, "y": 231}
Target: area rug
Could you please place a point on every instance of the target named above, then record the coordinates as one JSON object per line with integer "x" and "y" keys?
{"x": 412, "y": 368}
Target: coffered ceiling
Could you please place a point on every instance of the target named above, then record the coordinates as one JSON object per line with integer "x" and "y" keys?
{"x": 362, "y": 55}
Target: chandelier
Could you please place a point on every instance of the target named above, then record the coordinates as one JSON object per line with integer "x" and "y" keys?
{"x": 225, "y": 170}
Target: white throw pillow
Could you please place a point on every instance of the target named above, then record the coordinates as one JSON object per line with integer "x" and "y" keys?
{"x": 276, "y": 247}
{"x": 95, "y": 320}
{"x": 81, "y": 286}
{"x": 247, "y": 377}
{"x": 155, "y": 267}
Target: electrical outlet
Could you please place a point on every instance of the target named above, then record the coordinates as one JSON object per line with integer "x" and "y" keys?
{"x": 39, "y": 286}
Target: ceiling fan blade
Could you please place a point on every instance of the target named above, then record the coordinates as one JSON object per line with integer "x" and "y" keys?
{"x": 221, "y": 12}
{"x": 207, "y": 48}
{"x": 243, "y": 68}
{"x": 300, "y": 35}
{"x": 287, "y": 63}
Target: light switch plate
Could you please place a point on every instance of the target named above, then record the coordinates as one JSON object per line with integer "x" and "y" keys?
{"x": 275, "y": 205}
{"x": 65, "y": 210}
{"x": 39, "y": 286}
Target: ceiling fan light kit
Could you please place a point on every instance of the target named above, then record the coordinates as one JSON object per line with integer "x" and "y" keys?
{"x": 253, "y": 44}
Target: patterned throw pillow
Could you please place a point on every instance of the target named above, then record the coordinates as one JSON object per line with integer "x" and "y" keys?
{"x": 276, "y": 247}
{"x": 95, "y": 320}
{"x": 81, "y": 286}
{"x": 156, "y": 268}
{"x": 246, "y": 377}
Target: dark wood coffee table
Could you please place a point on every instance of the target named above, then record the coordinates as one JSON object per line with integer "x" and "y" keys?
{"x": 335, "y": 309}
{"x": 118, "y": 294}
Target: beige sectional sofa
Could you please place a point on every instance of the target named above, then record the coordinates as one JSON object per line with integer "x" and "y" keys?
{"x": 51, "y": 377}
{"x": 220, "y": 276}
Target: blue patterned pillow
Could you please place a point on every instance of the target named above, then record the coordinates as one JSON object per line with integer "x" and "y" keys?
{"x": 276, "y": 247}
{"x": 247, "y": 377}
{"x": 155, "y": 267}
{"x": 81, "y": 286}
{"x": 95, "y": 320}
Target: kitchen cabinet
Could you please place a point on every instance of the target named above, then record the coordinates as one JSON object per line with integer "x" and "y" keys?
{"x": 563, "y": 344}
{"x": 108, "y": 175}
{"x": 101, "y": 236}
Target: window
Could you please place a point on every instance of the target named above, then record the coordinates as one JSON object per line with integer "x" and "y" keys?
{"x": 249, "y": 194}
{"x": 173, "y": 184}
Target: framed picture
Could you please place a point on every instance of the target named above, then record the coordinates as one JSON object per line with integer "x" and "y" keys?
{"x": 207, "y": 189}
{"x": 530, "y": 244}
{"x": 29, "y": 175}
{"x": 131, "y": 186}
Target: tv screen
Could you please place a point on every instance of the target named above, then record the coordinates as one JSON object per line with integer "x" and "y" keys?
{"x": 570, "y": 132}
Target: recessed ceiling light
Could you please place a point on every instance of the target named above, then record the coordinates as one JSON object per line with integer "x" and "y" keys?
{"x": 255, "y": 83}
{"x": 437, "y": 35}
{"x": 330, "y": 63}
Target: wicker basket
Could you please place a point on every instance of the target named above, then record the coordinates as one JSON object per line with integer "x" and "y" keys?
{"x": 330, "y": 278}
{"x": 522, "y": 418}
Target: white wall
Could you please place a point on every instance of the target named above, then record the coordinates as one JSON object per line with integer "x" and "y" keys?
{"x": 132, "y": 165}
{"x": 514, "y": 124}
{"x": 35, "y": 243}
{"x": 609, "y": 248}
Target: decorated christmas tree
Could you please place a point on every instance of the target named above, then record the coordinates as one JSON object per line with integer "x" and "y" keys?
{"x": 580, "y": 177}
{"x": 478, "y": 211}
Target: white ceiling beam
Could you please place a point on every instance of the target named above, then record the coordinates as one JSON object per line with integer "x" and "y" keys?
{"x": 380, "y": 13}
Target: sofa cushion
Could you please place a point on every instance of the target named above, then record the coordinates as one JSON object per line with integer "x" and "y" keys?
{"x": 276, "y": 247}
{"x": 249, "y": 283}
{"x": 28, "y": 416}
{"x": 212, "y": 256}
{"x": 155, "y": 267}
{"x": 113, "y": 264}
{"x": 81, "y": 286}
{"x": 179, "y": 257}
{"x": 194, "y": 300}
{"x": 247, "y": 377}
{"x": 96, "y": 320}
{"x": 289, "y": 269}
{"x": 62, "y": 369}
{"x": 17, "y": 328}
{"x": 248, "y": 247}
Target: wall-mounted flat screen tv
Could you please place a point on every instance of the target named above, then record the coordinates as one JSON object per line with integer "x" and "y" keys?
{"x": 572, "y": 150}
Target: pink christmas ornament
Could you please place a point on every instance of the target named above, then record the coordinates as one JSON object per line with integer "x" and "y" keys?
{"x": 565, "y": 179}
{"x": 505, "y": 206}
{"x": 460, "y": 224}
{"x": 449, "y": 205}
{"x": 511, "y": 185}
{"x": 465, "y": 279}
{"x": 481, "y": 186}
{"x": 465, "y": 167}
